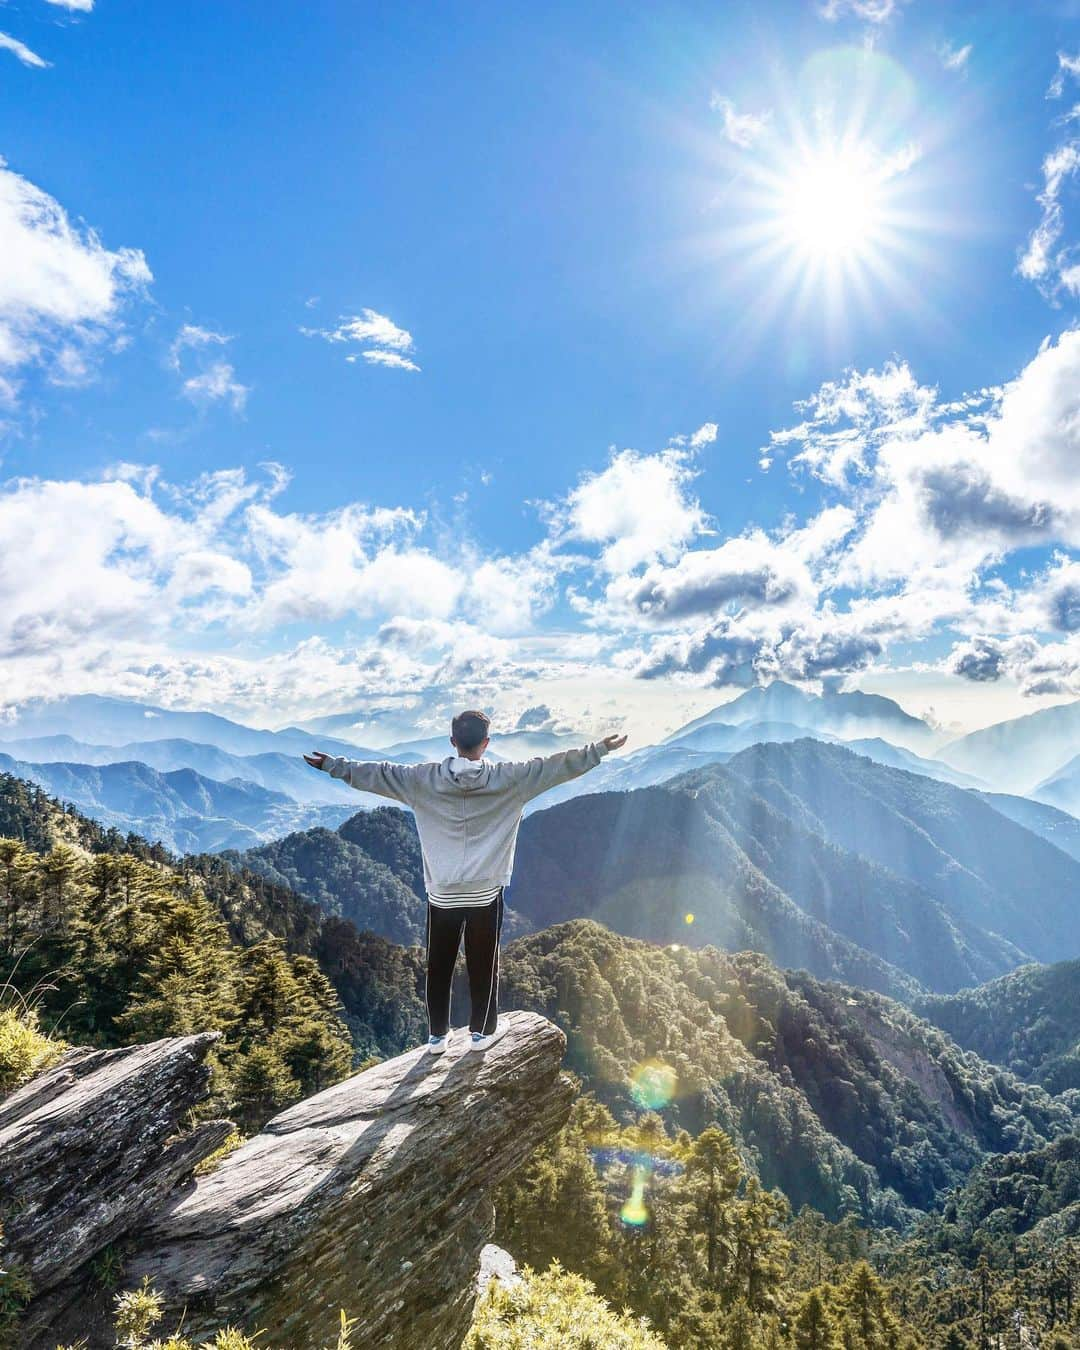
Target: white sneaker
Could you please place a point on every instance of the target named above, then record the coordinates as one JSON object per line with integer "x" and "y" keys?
{"x": 480, "y": 1042}
{"x": 438, "y": 1045}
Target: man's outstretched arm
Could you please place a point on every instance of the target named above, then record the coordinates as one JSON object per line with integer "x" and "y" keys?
{"x": 537, "y": 775}
{"x": 381, "y": 776}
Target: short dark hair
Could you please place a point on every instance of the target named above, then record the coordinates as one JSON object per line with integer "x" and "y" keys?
{"x": 469, "y": 729}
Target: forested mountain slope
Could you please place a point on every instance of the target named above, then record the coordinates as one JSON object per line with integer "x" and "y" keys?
{"x": 1028, "y": 1020}
{"x": 369, "y": 871}
{"x": 186, "y": 811}
{"x": 986, "y": 869}
{"x": 121, "y": 939}
{"x": 843, "y": 1099}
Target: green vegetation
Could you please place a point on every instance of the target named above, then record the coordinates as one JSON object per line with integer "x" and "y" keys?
{"x": 122, "y": 950}
{"x": 127, "y": 943}
{"x": 758, "y": 1160}
{"x": 556, "y": 1308}
{"x": 344, "y": 877}
{"x": 843, "y": 1099}
{"x": 677, "y": 1230}
{"x": 1028, "y": 1020}
{"x": 138, "y": 1311}
{"x": 1002, "y": 1260}
{"x": 24, "y": 1050}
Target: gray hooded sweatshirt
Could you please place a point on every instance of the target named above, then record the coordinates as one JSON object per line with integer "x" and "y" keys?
{"x": 467, "y": 811}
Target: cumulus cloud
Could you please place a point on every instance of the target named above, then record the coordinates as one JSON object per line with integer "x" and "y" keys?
{"x": 61, "y": 290}
{"x": 383, "y": 342}
{"x": 637, "y": 509}
{"x": 508, "y": 592}
{"x": 749, "y": 570}
{"x": 1039, "y": 669}
{"x": 738, "y": 651}
{"x": 22, "y": 52}
{"x": 933, "y": 493}
{"x": 80, "y": 6}
{"x": 848, "y": 419}
{"x": 705, "y": 435}
{"x": 740, "y": 128}
{"x": 961, "y": 483}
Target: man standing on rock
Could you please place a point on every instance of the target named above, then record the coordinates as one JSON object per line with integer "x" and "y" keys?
{"x": 468, "y": 811}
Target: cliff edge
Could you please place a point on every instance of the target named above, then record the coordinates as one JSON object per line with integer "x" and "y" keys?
{"x": 373, "y": 1196}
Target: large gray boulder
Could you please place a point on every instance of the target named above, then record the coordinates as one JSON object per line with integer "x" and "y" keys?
{"x": 373, "y": 1196}
{"x": 90, "y": 1148}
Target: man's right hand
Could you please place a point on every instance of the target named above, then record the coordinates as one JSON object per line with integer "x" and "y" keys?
{"x": 315, "y": 759}
{"x": 614, "y": 741}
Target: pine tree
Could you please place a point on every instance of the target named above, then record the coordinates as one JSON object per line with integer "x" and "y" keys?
{"x": 814, "y": 1328}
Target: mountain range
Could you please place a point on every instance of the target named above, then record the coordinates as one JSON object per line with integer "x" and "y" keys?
{"x": 844, "y": 1099}
{"x": 844, "y": 715}
{"x": 814, "y": 855}
{"x": 242, "y": 772}
{"x": 1062, "y": 788}
{"x": 181, "y": 809}
{"x": 1018, "y": 755}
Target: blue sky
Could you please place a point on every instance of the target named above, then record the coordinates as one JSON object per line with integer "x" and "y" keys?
{"x": 576, "y": 240}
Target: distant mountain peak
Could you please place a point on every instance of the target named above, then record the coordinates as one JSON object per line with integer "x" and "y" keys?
{"x": 841, "y": 714}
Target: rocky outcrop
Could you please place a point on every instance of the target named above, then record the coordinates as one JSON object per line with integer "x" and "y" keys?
{"x": 90, "y": 1148}
{"x": 373, "y": 1196}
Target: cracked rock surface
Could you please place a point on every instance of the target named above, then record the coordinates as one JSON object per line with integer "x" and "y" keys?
{"x": 373, "y": 1196}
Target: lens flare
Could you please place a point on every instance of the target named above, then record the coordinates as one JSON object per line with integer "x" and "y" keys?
{"x": 653, "y": 1084}
{"x": 635, "y": 1212}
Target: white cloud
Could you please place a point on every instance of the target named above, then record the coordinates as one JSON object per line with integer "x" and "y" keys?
{"x": 705, "y": 435}
{"x": 61, "y": 290}
{"x": 215, "y": 379}
{"x": 740, "y": 128}
{"x": 937, "y": 494}
{"x": 191, "y": 335}
{"x": 1044, "y": 259}
{"x": 954, "y": 58}
{"x": 1041, "y": 260}
{"x": 961, "y": 484}
{"x": 749, "y": 570}
{"x": 1068, "y": 66}
{"x": 872, "y": 11}
{"x": 1038, "y": 668}
{"x": 508, "y": 593}
{"x": 22, "y": 52}
{"x": 81, "y": 6}
{"x": 390, "y": 345}
{"x": 638, "y": 508}
{"x": 395, "y": 360}
{"x": 218, "y": 382}
{"x": 848, "y": 418}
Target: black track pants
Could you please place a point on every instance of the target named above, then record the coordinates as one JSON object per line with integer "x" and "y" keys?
{"x": 482, "y": 925}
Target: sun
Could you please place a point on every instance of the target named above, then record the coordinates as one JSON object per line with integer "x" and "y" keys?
{"x": 829, "y": 215}
{"x": 831, "y": 205}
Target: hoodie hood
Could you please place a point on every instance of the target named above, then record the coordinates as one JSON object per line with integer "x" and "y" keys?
{"x": 467, "y": 773}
